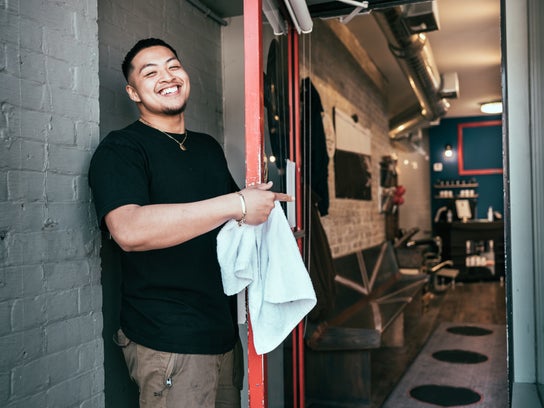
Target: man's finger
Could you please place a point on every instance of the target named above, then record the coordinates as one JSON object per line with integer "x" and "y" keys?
{"x": 264, "y": 186}
{"x": 283, "y": 197}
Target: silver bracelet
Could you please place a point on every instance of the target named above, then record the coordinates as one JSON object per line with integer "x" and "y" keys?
{"x": 244, "y": 209}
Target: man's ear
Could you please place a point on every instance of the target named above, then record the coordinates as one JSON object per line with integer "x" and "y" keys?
{"x": 132, "y": 94}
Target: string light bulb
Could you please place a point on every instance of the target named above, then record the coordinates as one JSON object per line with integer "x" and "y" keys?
{"x": 448, "y": 151}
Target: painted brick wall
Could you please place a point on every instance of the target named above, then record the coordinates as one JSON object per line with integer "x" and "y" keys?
{"x": 50, "y": 295}
{"x": 341, "y": 83}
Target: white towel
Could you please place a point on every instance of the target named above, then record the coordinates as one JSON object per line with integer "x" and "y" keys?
{"x": 266, "y": 259}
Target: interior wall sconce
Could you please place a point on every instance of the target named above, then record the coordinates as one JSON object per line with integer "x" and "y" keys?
{"x": 448, "y": 151}
{"x": 494, "y": 107}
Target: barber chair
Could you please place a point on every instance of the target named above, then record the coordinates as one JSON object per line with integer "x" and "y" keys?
{"x": 425, "y": 256}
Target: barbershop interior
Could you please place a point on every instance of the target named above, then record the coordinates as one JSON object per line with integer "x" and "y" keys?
{"x": 410, "y": 133}
{"x": 405, "y": 231}
{"x": 405, "y": 205}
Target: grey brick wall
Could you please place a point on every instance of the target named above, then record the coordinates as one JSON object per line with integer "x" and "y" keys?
{"x": 50, "y": 295}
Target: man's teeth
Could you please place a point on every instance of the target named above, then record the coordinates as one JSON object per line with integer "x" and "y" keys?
{"x": 169, "y": 90}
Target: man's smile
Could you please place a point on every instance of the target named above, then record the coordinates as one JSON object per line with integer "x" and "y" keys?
{"x": 168, "y": 91}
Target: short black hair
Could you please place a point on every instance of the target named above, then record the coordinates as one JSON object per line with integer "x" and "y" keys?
{"x": 139, "y": 46}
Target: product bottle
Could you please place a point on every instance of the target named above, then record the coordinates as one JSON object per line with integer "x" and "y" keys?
{"x": 490, "y": 214}
{"x": 449, "y": 215}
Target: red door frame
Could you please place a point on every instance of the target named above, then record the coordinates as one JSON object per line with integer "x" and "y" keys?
{"x": 254, "y": 130}
{"x": 254, "y": 140}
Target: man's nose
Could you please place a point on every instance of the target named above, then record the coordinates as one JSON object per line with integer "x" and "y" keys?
{"x": 166, "y": 75}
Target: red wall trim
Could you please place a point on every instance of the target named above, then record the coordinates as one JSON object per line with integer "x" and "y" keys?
{"x": 460, "y": 128}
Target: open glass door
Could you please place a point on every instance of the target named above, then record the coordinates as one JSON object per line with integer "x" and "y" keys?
{"x": 274, "y": 154}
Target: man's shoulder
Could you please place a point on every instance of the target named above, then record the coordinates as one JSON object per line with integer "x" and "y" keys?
{"x": 117, "y": 142}
{"x": 130, "y": 136}
{"x": 128, "y": 132}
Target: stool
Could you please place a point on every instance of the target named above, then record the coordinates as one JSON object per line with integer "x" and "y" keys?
{"x": 449, "y": 273}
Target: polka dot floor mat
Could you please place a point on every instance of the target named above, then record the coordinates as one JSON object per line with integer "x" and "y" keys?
{"x": 460, "y": 366}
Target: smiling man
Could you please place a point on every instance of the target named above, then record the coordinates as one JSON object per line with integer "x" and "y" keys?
{"x": 162, "y": 193}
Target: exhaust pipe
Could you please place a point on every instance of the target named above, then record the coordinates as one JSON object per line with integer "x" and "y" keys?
{"x": 414, "y": 56}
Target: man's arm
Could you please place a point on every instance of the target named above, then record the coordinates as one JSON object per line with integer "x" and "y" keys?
{"x": 157, "y": 226}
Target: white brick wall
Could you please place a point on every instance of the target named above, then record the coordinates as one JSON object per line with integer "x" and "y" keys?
{"x": 341, "y": 83}
{"x": 50, "y": 297}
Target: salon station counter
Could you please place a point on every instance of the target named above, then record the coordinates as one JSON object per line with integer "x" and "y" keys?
{"x": 476, "y": 247}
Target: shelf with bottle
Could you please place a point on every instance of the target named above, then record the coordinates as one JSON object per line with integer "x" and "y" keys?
{"x": 455, "y": 189}
{"x": 466, "y": 185}
{"x": 450, "y": 194}
{"x": 458, "y": 183}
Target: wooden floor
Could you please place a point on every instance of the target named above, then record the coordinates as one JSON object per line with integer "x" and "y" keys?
{"x": 477, "y": 302}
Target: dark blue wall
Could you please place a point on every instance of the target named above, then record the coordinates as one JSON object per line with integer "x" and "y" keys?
{"x": 482, "y": 152}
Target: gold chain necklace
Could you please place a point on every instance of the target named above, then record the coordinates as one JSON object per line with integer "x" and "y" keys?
{"x": 180, "y": 144}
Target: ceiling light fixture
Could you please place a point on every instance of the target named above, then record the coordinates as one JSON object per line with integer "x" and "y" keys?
{"x": 494, "y": 107}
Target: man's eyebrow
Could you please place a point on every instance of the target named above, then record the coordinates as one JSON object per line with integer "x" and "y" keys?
{"x": 146, "y": 66}
{"x": 172, "y": 59}
{"x": 151, "y": 64}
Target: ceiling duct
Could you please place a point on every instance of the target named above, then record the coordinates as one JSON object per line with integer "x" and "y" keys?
{"x": 421, "y": 17}
{"x": 415, "y": 58}
{"x": 274, "y": 17}
{"x": 300, "y": 15}
{"x": 277, "y": 11}
{"x": 411, "y": 142}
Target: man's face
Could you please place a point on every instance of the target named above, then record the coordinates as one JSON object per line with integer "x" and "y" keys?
{"x": 158, "y": 83}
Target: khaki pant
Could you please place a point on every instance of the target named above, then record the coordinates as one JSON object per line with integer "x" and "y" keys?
{"x": 170, "y": 380}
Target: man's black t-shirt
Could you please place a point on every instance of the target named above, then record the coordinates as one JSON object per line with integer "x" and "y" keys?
{"x": 172, "y": 299}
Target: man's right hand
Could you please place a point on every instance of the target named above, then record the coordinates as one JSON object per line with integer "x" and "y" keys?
{"x": 259, "y": 202}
